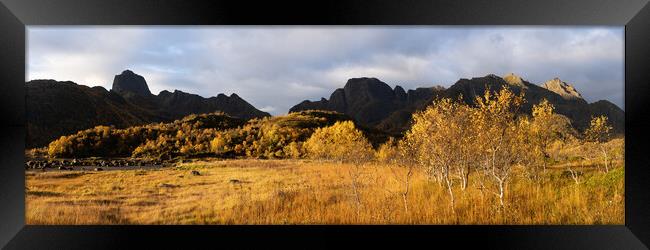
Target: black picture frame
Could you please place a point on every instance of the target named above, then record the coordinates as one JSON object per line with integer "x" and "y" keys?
{"x": 16, "y": 14}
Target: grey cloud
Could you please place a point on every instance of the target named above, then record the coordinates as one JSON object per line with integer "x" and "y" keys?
{"x": 276, "y": 67}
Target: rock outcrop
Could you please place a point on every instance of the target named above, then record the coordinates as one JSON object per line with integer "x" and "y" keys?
{"x": 563, "y": 89}
{"x": 130, "y": 83}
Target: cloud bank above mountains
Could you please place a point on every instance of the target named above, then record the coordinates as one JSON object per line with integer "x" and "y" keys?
{"x": 276, "y": 67}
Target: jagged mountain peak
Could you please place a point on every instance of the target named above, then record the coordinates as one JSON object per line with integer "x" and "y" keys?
{"x": 373, "y": 103}
{"x": 366, "y": 83}
{"x": 129, "y": 103}
{"x": 438, "y": 88}
{"x": 399, "y": 92}
{"x": 370, "y": 101}
{"x": 129, "y": 82}
{"x": 362, "y": 79}
{"x": 513, "y": 79}
{"x": 562, "y": 88}
{"x": 370, "y": 83}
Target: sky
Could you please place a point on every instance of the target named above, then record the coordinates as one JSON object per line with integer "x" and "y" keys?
{"x": 276, "y": 67}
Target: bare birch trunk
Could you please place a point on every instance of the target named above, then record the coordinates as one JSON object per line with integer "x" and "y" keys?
{"x": 501, "y": 193}
{"x": 451, "y": 193}
{"x": 606, "y": 159}
{"x": 406, "y": 191}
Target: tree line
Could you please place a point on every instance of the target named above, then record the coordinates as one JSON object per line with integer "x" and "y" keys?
{"x": 454, "y": 143}
{"x": 215, "y": 134}
{"x": 449, "y": 139}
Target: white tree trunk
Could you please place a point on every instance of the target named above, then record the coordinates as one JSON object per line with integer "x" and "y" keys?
{"x": 501, "y": 193}
{"x": 451, "y": 192}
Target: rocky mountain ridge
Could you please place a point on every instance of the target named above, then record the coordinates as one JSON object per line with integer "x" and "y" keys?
{"x": 562, "y": 88}
{"x": 61, "y": 108}
{"x": 58, "y": 108}
{"x": 373, "y": 103}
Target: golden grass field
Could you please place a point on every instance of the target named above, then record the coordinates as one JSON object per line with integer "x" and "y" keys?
{"x": 309, "y": 192}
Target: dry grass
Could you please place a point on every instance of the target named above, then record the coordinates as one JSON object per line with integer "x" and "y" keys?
{"x": 307, "y": 192}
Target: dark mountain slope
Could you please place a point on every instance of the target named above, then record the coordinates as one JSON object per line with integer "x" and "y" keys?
{"x": 174, "y": 105}
{"x": 373, "y": 103}
{"x": 566, "y": 99}
{"x": 61, "y": 108}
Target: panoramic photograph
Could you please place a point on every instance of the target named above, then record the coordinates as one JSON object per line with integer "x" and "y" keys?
{"x": 325, "y": 125}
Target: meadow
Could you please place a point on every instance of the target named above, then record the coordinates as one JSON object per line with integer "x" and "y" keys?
{"x": 247, "y": 191}
{"x": 457, "y": 164}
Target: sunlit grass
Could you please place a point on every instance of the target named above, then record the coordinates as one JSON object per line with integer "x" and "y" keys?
{"x": 310, "y": 192}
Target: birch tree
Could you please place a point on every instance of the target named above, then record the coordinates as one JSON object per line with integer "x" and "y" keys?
{"x": 597, "y": 135}
{"x": 501, "y": 135}
{"x": 545, "y": 128}
{"x": 441, "y": 139}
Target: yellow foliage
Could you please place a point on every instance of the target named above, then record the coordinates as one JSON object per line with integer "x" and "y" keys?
{"x": 388, "y": 151}
{"x": 341, "y": 141}
{"x": 545, "y": 129}
{"x": 598, "y": 130}
{"x": 218, "y": 144}
{"x": 293, "y": 150}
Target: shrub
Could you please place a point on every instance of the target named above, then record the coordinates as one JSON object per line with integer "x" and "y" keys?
{"x": 387, "y": 152}
{"x": 341, "y": 142}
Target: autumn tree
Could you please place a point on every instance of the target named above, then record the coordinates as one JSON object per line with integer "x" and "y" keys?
{"x": 293, "y": 150}
{"x": 545, "y": 128}
{"x": 501, "y": 136}
{"x": 219, "y": 144}
{"x": 195, "y": 135}
{"x": 344, "y": 143}
{"x": 597, "y": 135}
{"x": 341, "y": 142}
{"x": 599, "y": 129}
{"x": 188, "y": 136}
{"x": 387, "y": 152}
{"x": 398, "y": 156}
{"x": 442, "y": 140}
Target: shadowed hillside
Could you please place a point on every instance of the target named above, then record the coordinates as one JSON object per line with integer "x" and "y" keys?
{"x": 214, "y": 134}
{"x": 373, "y": 103}
{"x": 62, "y": 108}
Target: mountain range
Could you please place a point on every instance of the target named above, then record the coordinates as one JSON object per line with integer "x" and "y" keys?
{"x": 58, "y": 108}
{"x": 373, "y": 103}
